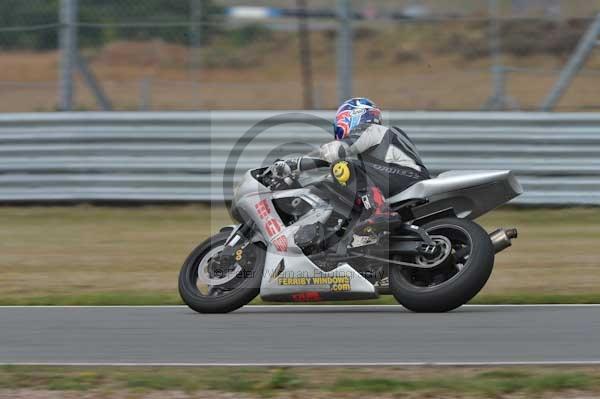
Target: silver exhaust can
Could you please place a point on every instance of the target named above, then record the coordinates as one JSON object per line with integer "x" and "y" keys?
{"x": 502, "y": 238}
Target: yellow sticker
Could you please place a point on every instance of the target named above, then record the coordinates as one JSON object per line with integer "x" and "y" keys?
{"x": 341, "y": 172}
{"x": 238, "y": 254}
{"x": 335, "y": 283}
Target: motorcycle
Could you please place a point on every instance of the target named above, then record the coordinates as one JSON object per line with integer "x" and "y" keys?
{"x": 296, "y": 240}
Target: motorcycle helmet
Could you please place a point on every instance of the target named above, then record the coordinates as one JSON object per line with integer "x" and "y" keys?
{"x": 353, "y": 113}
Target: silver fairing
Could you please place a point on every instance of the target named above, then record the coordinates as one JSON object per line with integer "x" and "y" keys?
{"x": 469, "y": 193}
{"x": 288, "y": 273}
{"x": 291, "y": 275}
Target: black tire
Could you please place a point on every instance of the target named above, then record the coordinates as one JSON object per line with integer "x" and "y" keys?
{"x": 247, "y": 284}
{"x": 458, "y": 289}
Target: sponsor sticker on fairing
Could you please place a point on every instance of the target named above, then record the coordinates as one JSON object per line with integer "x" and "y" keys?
{"x": 335, "y": 283}
{"x": 271, "y": 225}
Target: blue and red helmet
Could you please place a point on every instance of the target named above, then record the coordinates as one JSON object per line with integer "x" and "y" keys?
{"x": 353, "y": 113}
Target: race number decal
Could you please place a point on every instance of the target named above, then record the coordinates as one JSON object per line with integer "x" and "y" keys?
{"x": 307, "y": 297}
{"x": 271, "y": 225}
{"x": 281, "y": 243}
{"x": 263, "y": 209}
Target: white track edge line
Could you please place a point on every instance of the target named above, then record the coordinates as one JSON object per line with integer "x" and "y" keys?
{"x": 311, "y": 364}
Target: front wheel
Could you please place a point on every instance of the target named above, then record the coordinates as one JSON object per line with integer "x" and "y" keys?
{"x": 209, "y": 285}
{"x": 464, "y": 266}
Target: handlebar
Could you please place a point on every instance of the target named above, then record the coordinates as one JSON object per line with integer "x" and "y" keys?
{"x": 309, "y": 163}
{"x": 305, "y": 163}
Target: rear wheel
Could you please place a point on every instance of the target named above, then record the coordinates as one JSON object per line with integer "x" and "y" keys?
{"x": 458, "y": 273}
{"x": 209, "y": 285}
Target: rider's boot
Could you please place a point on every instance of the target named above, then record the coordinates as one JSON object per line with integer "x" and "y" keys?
{"x": 376, "y": 211}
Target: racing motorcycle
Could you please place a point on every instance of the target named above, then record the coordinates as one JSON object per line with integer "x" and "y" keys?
{"x": 298, "y": 239}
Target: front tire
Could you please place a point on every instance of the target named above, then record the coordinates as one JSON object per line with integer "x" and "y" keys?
{"x": 454, "y": 282}
{"x": 236, "y": 291}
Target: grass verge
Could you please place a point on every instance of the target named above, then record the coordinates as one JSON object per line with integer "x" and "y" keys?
{"x": 312, "y": 382}
{"x": 93, "y": 255}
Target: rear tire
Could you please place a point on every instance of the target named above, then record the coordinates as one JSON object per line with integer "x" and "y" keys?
{"x": 246, "y": 284}
{"x": 461, "y": 287}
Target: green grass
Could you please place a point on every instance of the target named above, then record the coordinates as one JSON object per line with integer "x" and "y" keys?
{"x": 485, "y": 384}
{"x": 91, "y": 255}
{"x": 160, "y": 382}
{"x": 537, "y": 298}
{"x": 94, "y": 299}
{"x": 284, "y": 379}
{"x": 313, "y": 382}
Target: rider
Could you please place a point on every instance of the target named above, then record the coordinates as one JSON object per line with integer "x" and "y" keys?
{"x": 388, "y": 161}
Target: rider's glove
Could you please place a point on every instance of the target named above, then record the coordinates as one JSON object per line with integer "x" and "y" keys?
{"x": 281, "y": 169}
{"x": 285, "y": 168}
{"x": 333, "y": 151}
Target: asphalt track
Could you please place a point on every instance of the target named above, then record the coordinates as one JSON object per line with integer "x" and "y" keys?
{"x": 300, "y": 335}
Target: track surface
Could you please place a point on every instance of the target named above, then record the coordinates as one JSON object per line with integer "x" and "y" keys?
{"x": 299, "y": 335}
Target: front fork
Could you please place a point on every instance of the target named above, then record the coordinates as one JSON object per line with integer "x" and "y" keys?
{"x": 235, "y": 246}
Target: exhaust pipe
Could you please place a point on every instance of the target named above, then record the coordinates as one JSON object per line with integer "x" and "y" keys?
{"x": 502, "y": 238}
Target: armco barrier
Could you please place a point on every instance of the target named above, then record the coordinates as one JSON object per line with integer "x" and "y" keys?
{"x": 176, "y": 156}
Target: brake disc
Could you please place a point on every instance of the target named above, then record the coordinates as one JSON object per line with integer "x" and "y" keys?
{"x": 446, "y": 249}
{"x": 211, "y": 277}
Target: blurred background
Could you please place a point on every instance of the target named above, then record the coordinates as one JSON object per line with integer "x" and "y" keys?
{"x": 238, "y": 63}
{"x": 101, "y": 204}
{"x": 294, "y": 54}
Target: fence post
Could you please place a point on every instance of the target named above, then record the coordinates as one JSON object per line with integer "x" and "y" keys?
{"x": 68, "y": 53}
{"x": 305, "y": 55}
{"x": 145, "y": 93}
{"x": 195, "y": 33}
{"x": 344, "y": 51}
{"x": 195, "y": 43}
{"x": 574, "y": 65}
{"x": 497, "y": 100}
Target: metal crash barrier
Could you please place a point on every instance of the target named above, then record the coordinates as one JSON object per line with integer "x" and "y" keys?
{"x": 183, "y": 156}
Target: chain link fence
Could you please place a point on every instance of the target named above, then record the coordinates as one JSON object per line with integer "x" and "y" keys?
{"x": 270, "y": 54}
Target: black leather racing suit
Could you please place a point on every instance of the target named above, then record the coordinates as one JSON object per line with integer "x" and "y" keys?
{"x": 387, "y": 156}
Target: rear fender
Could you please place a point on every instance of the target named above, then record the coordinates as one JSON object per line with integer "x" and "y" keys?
{"x": 469, "y": 193}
